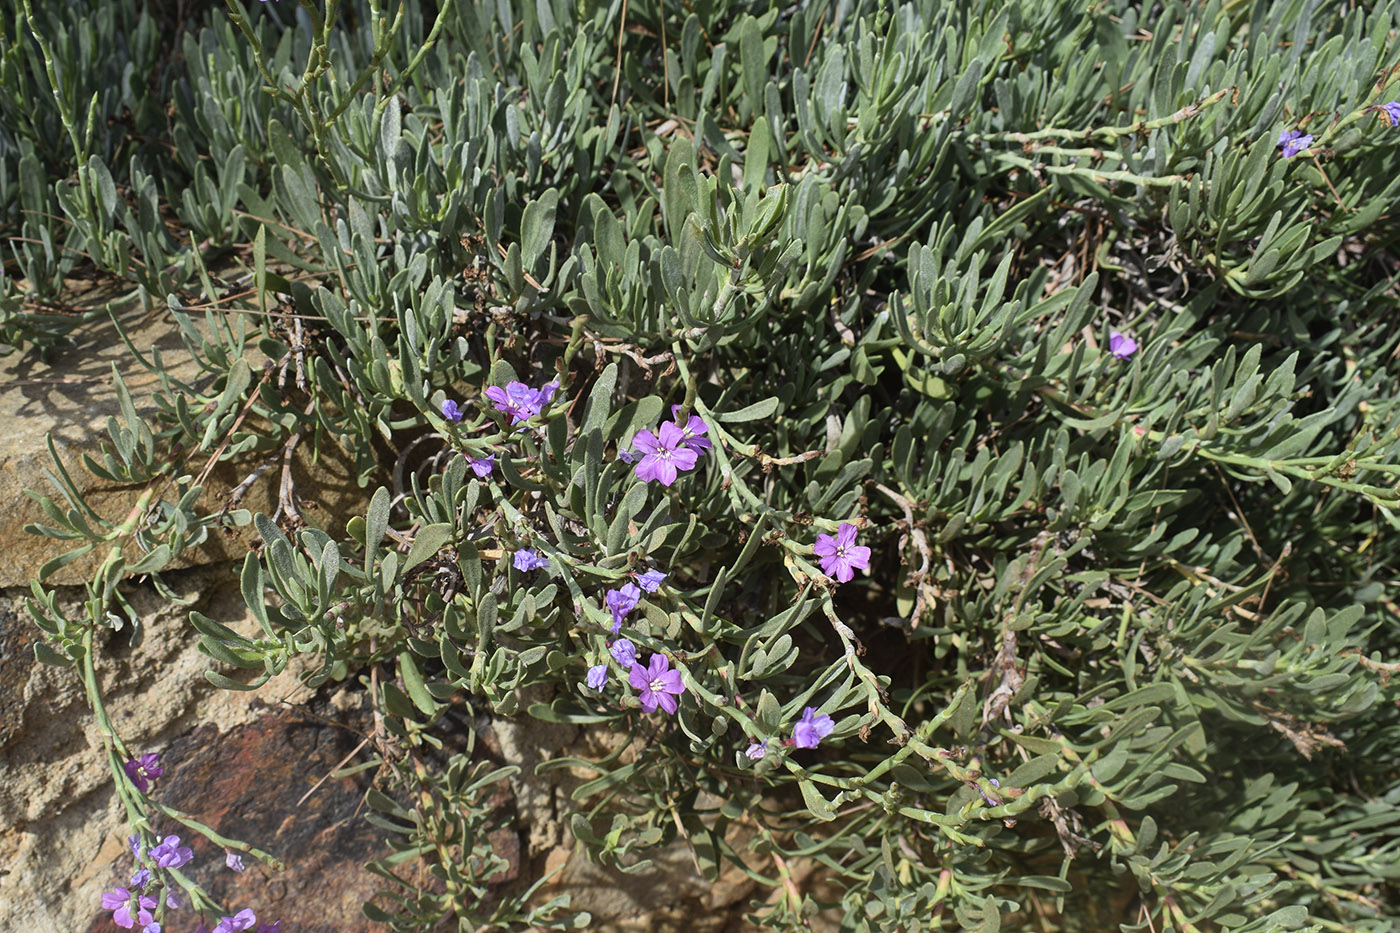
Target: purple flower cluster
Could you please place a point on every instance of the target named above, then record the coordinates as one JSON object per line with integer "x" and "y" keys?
{"x": 136, "y": 904}
{"x": 133, "y": 905}
{"x": 672, "y": 450}
{"x": 519, "y": 400}
{"x": 657, "y": 684}
{"x": 1391, "y": 111}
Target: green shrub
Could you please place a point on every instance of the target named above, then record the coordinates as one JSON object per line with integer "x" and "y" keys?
{"x": 1119, "y": 654}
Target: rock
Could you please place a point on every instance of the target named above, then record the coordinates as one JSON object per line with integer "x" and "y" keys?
{"x": 62, "y": 830}
{"x": 252, "y": 783}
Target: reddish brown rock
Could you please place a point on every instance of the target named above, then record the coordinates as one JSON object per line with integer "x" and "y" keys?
{"x": 248, "y": 784}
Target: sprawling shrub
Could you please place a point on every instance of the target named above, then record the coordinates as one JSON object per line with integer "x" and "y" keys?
{"x": 1005, "y": 389}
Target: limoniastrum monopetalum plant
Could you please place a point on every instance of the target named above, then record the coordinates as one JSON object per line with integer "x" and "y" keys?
{"x": 947, "y": 452}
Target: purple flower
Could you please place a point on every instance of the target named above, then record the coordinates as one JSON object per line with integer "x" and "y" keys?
{"x": 622, "y": 602}
{"x": 597, "y": 676}
{"x": 519, "y": 400}
{"x": 1121, "y": 345}
{"x": 172, "y": 900}
{"x": 119, "y": 903}
{"x": 691, "y": 431}
{"x": 1392, "y": 112}
{"x": 756, "y": 751}
{"x": 151, "y": 927}
{"x": 812, "y": 728}
{"x": 628, "y": 456}
{"x": 1293, "y": 142}
{"x": 239, "y": 921}
{"x": 450, "y": 411}
{"x": 170, "y": 854}
{"x": 141, "y": 879}
{"x": 234, "y": 860}
{"x": 143, "y": 770}
{"x": 623, "y": 652}
{"x": 526, "y": 560}
{"x": 135, "y": 843}
{"x": 658, "y": 684}
{"x": 651, "y": 580}
{"x": 840, "y": 556}
{"x": 665, "y": 454}
{"x": 481, "y": 466}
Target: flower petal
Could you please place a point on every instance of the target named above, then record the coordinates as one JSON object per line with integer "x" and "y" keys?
{"x": 665, "y": 471}
{"x": 670, "y": 435}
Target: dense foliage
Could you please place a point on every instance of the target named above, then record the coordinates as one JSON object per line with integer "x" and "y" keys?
{"x": 1121, "y": 653}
